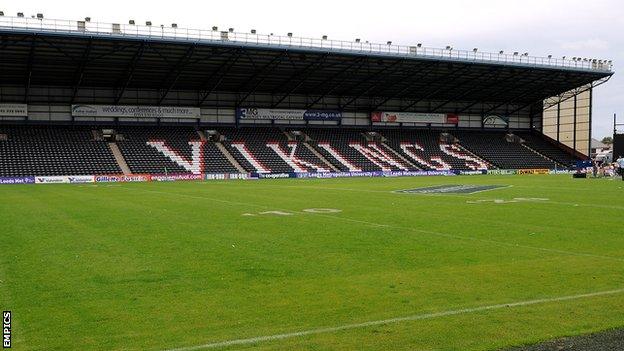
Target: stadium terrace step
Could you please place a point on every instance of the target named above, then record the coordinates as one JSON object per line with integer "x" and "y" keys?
{"x": 340, "y": 159}
{"x": 250, "y": 158}
{"x": 294, "y": 161}
{"x": 201, "y": 135}
{"x": 229, "y": 157}
{"x": 121, "y": 162}
{"x": 321, "y": 157}
{"x": 399, "y": 156}
{"x": 217, "y": 161}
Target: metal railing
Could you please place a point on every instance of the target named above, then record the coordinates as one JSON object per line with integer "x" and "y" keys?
{"x": 200, "y": 35}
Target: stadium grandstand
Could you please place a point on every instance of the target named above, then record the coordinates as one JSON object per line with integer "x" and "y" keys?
{"x": 86, "y": 98}
{"x": 467, "y": 215}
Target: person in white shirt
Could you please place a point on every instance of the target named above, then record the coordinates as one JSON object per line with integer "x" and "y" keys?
{"x": 620, "y": 162}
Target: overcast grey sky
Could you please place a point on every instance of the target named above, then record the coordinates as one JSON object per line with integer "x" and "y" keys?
{"x": 587, "y": 28}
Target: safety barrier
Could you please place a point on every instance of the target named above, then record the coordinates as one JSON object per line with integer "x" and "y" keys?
{"x": 131, "y": 178}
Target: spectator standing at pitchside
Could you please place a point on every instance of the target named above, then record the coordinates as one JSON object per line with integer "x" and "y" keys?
{"x": 620, "y": 162}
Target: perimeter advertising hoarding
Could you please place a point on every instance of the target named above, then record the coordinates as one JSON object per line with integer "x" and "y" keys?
{"x": 122, "y": 178}
{"x": 13, "y": 110}
{"x": 51, "y": 179}
{"x": 175, "y": 177}
{"x": 225, "y": 176}
{"x": 64, "y": 179}
{"x": 17, "y": 180}
{"x": 135, "y": 111}
{"x": 414, "y": 117}
{"x": 533, "y": 171}
{"x": 502, "y": 171}
{"x": 495, "y": 121}
{"x": 288, "y": 114}
{"x": 351, "y": 174}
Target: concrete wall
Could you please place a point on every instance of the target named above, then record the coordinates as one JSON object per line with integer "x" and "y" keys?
{"x": 569, "y": 122}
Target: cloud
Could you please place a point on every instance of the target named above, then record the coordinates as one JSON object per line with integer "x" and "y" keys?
{"x": 585, "y": 45}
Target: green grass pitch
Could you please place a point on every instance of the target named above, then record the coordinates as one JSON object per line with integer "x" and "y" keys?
{"x": 161, "y": 266}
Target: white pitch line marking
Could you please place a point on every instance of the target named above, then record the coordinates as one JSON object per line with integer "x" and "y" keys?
{"x": 452, "y": 236}
{"x": 416, "y": 317}
{"x": 441, "y": 195}
{"x": 492, "y": 242}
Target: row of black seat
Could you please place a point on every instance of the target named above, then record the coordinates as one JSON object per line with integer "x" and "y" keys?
{"x": 76, "y": 150}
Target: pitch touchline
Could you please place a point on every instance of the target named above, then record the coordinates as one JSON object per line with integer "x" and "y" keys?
{"x": 391, "y": 321}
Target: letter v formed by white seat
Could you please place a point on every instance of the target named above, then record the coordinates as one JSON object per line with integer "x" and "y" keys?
{"x": 195, "y": 165}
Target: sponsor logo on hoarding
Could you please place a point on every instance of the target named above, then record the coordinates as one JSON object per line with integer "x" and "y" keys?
{"x": 13, "y": 110}
{"x": 533, "y": 171}
{"x": 117, "y": 178}
{"x": 81, "y": 179}
{"x": 224, "y": 176}
{"x": 414, "y": 117}
{"x": 451, "y": 189}
{"x": 560, "y": 171}
{"x": 51, "y": 179}
{"x": 64, "y": 179}
{"x": 276, "y": 175}
{"x": 216, "y": 176}
{"x": 495, "y": 121}
{"x": 121, "y": 178}
{"x": 288, "y": 114}
{"x": 502, "y": 171}
{"x": 479, "y": 172}
{"x": 322, "y": 115}
{"x": 371, "y": 174}
{"x": 135, "y": 111}
{"x": 452, "y": 119}
{"x": 17, "y": 180}
{"x": 239, "y": 176}
{"x": 408, "y": 173}
{"x": 175, "y": 177}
